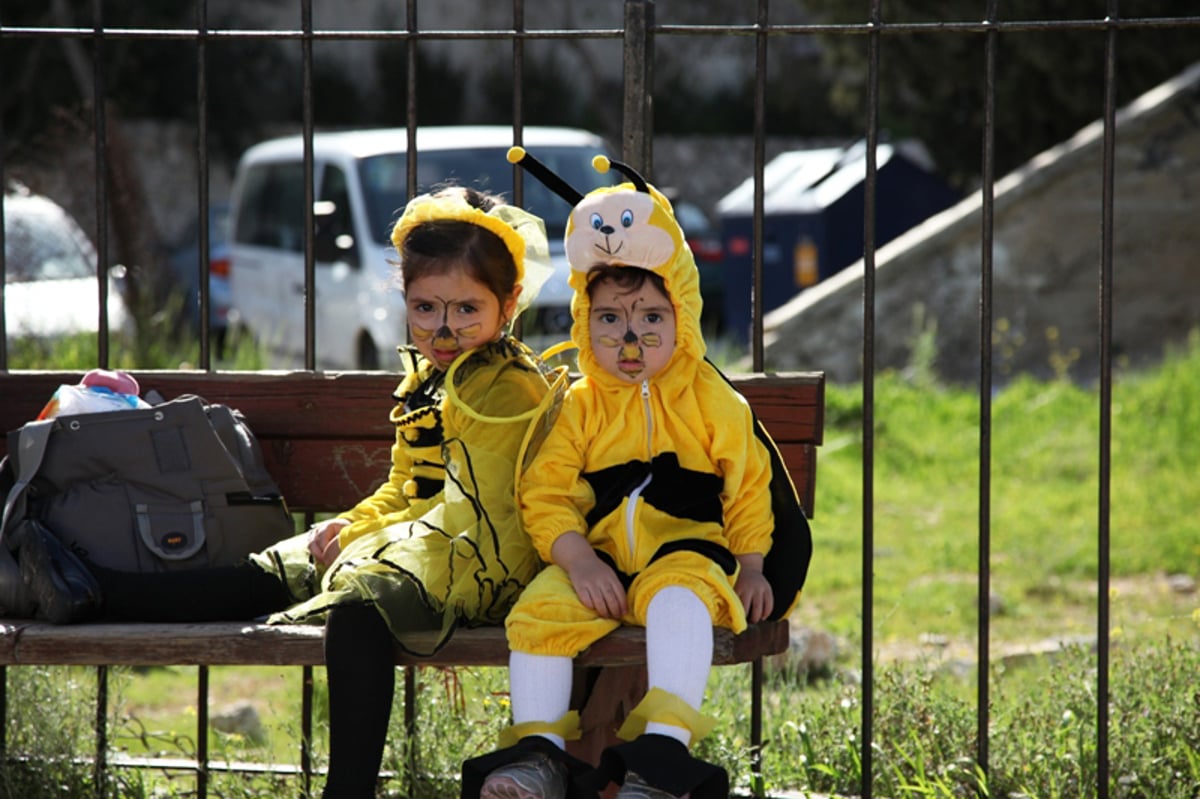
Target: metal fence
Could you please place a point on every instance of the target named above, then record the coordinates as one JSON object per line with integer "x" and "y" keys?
{"x": 637, "y": 36}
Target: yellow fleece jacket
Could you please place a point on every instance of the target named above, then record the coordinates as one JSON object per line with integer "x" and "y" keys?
{"x": 685, "y": 428}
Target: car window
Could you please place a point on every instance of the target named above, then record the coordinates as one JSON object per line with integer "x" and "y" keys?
{"x": 335, "y": 221}
{"x": 691, "y": 219}
{"x": 384, "y": 180}
{"x": 271, "y": 213}
{"x": 385, "y": 186}
{"x": 42, "y": 245}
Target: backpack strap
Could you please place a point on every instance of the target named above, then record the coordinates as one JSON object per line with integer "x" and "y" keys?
{"x": 31, "y": 448}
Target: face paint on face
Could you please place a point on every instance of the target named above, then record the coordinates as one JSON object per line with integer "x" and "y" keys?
{"x": 632, "y": 332}
{"x": 451, "y": 313}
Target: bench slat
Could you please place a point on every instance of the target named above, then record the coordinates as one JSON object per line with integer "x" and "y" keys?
{"x": 326, "y": 436}
{"x": 356, "y": 404}
{"x": 243, "y": 644}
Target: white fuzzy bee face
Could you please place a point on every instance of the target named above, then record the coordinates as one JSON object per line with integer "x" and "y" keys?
{"x": 620, "y": 227}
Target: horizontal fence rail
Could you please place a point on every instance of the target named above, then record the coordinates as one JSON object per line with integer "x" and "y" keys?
{"x": 637, "y": 35}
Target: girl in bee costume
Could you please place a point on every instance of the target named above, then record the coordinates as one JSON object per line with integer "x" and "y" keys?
{"x": 439, "y": 544}
{"x": 651, "y": 499}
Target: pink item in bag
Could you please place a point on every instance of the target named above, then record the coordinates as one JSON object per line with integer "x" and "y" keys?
{"x": 99, "y": 390}
{"x": 117, "y": 381}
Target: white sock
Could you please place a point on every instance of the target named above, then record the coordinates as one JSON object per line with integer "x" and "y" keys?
{"x": 540, "y": 687}
{"x": 679, "y": 645}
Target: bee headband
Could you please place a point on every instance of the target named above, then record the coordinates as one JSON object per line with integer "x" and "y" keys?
{"x": 522, "y": 233}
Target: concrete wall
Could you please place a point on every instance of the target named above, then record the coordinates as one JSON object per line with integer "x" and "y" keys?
{"x": 1047, "y": 231}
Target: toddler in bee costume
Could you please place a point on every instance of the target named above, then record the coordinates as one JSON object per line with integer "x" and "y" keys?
{"x": 651, "y": 501}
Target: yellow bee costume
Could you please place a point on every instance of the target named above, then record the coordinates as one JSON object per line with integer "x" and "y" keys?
{"x": 686, "y": 430}
{"x": 441, "y": 540}
{"x": 669, "y": 480}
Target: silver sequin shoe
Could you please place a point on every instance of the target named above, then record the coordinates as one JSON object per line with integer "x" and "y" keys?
{"x": 532, "y": 777}
{"x": 637, "y": 788}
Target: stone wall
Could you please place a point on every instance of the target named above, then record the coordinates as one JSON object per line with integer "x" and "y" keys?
{"x": 1046, "y": 263}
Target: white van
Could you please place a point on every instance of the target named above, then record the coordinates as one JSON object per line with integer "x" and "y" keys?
{"x": 360, "y": 188}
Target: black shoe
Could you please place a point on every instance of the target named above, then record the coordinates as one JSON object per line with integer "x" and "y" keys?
{"x": 63, "y": 588}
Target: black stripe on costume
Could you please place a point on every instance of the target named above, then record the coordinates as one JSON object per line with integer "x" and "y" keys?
{"x": 682, "y": 493}
{"x": 428, "y": 486}
{"x": 709, "y": 549}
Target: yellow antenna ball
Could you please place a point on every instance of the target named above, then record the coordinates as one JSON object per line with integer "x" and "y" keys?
{"x": 601, "y": 164}
{"x": 515, "y": 154}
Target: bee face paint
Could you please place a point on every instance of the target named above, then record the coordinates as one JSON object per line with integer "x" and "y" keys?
{"x": 632, "y": 332}
{"x": 451, "y": 313}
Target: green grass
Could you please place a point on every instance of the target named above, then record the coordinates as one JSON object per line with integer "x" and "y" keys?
{"x": 1044, "y": 545}
{"x": 158, "y": 343}
{"x": 1044, "y": 556}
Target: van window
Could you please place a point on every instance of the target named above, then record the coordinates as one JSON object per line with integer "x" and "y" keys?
{"x": 271, "y": 212}
{"x": 384, "y": 180}
{"x": 335, "y": 220}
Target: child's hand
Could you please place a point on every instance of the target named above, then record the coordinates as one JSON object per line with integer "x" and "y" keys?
{"x": 323, "y": 542}
{"x": 598, "y": 587}
{"x": 594, "y": 581}
{"x": 753, "y": 589}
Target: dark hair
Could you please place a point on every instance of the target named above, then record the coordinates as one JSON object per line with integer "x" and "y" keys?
{"x": 628, "y": 278}
{"x": 431, "y": 246}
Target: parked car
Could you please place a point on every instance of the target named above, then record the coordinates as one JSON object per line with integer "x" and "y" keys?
{"x": 704, "y": 238}
{"x": 360, "y": 188}
{"x": 50, "y": 275}
{"x": 184, "y": 261}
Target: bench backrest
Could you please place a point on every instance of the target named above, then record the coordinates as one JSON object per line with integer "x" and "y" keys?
{"x": 326, "y": 436}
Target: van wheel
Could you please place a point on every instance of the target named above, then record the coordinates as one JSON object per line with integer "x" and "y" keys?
{"x": 368, "y": 355}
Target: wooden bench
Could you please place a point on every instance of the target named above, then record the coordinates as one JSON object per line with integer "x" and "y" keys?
{"x": 326, "y": 439}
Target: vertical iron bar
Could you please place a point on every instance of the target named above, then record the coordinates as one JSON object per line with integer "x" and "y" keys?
{"x": 635, "y": 136}
{"x": 100, "y": 141}
{"x": 1106, "y": 322}
{"x": 3, "y": 281}
{"x": 760, "y": 124}
{"x": 758, "y": 787}
{"x": 310, "y": 274}
{"x": 987, "y": 191}
{"x": 410, "y": 672}
{"x": 868, "y": 422}
{"x": 306, "y": 728}
{"x": 410, "y": 725}
{"x": 518, "y": 112}
{"x": 411, "y": 95}
{"x": 648, "y": 105}
{"x": 306, "y": 710}
{"x": 518, "y": 106}
{"x": 100, "y": 768}
{"x": 202, "y": 178}
{"x": 201, "y": 732}
{"x": 3, "y": 669}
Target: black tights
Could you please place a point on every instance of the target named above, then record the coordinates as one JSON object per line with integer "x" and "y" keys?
{"x": 360, "y": 664}
{"x": 359, "y": 651}
{"x": 224, "y": 593}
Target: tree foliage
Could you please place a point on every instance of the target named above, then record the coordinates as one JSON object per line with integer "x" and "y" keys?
{"x": 932, "y": 82}
{"x": 1049, "y": 82}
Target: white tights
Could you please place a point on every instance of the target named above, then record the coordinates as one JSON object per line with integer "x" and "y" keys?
{"x": 678, "y": 659}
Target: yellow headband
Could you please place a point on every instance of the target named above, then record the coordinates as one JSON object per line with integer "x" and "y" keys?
{"x": 503, "y": 220}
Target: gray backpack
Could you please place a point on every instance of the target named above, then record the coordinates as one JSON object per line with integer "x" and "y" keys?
{"x": 180, "y": 485}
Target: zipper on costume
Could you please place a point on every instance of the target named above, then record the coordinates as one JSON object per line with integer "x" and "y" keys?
{"x": 649, "y": 421}
{"x": 635, "y": 496}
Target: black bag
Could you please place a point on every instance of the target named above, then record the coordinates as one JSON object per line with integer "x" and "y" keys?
{"x": 786, "y": 563}
{"x": 180, "y": 485}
